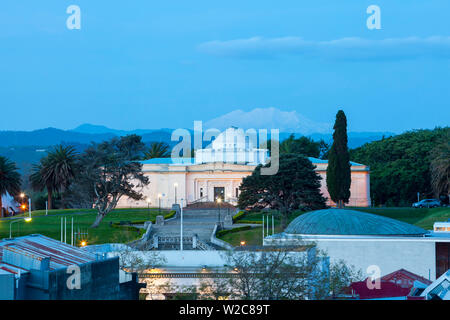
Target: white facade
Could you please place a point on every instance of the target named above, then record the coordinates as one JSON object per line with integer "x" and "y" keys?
{"x": 233, "y": 146}
{"x": 389, "y": 254}
{"x": 218, "y": 171}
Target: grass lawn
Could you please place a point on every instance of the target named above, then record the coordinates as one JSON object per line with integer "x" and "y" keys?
{"x": 422, "y": 217}
{"x": 252, "y": 237}
{"x": 50, "y": 225}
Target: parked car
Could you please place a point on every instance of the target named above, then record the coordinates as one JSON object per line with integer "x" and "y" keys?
{"x": 427, "y": 203}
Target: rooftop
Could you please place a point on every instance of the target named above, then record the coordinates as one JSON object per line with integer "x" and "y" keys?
{"x": 191, "y": 161}
{"x": 29, "y": 252}
{"x": 350, "y": 222}
{"x": 178, "y": 161}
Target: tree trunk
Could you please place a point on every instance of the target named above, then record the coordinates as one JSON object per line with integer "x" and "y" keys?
{"x": 63, "y": 205}
{"x": 49, "y": 198}
{"x": 284, "y": 219}
{"x": 97, "y": 220}
{"x": 1, "y": 206}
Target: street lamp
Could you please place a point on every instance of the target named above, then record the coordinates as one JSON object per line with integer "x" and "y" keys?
{"x": 175, "y": 186}
{"x": 14, "y": 221}
{"x": 181, "y": 225}
{"x": 159, "y": 200}
{"x": 148, "y": 205}
{"x": 29, "y": 208}
{"x": 219, "y": 201}
{"x": 22, "y": 205}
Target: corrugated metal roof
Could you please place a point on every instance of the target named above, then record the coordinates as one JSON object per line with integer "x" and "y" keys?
{"x": 39, "y": 247}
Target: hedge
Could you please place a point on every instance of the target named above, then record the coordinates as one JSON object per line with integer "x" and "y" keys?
{"x": 171, "y": 214}
{"x": 251, "y": 221}
{"x": 153, "y": 220}
{"x": 227, "y": 231}
{"x": 238, "y": 216}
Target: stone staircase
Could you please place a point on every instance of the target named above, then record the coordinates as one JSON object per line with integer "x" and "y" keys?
{"x": 198, "y": 225}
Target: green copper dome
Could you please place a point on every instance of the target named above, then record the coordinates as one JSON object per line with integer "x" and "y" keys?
{"x": 350, "y": 222}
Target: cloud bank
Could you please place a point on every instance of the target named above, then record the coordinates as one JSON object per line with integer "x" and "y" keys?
{"x": 345, "y": 48}
{"x": 269, "y": 118}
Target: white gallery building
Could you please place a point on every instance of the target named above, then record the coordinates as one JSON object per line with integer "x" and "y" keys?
{"x": 218, "y": 170}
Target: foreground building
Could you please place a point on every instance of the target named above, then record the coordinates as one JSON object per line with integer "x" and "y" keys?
{"x": 370, "y": 242}
{"x": 178, "y": 272}
{"x": 217, "y": 172}
{"x": 399, "y": 285}
{"x": 439, "y": 289}
{"x": 38, "y": 267}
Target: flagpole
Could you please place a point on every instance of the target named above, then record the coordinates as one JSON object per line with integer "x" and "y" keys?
{"x": 71, "y": 235}
{"x": 273, "y": 226}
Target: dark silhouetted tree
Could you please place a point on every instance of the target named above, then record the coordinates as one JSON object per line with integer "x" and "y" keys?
{"x": 9, "y": 179}
{"x": 157, "y": 150}
{"x": 111, "y": 170}
{"x": 338, "y": 170}
{"x": 54, "y": 172}
{"x": 296, "y": 185}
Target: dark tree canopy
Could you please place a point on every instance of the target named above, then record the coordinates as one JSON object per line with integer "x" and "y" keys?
{"x": 303, "y": 146}
{"x": 338, "y": 170}
{"x": 109, "y": 168}
{"x": 296, "y": 185}
{"x": 157, "y": 150}
{"x": 400, "y": 165}
{"x": 9, "y": 179}
{"x": 440, "y": 167}
{"x": 55, "y": 171}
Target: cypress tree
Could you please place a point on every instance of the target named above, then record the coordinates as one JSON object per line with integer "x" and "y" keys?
{"x": 338, "y": 170}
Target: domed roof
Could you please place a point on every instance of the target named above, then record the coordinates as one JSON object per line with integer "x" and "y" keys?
{"x": 350, "y": 222}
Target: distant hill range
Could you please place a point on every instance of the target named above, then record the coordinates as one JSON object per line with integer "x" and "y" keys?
{"x": 84, "y": 134}
{"x": 87, "y": 133}
{"x": 26, "y": 147}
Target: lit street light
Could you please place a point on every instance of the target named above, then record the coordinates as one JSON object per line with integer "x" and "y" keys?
{"x": 148, "y": 205}
{"x": 14, "y": 221}
{"x": 181, "y": 225}
{"x": 159, "y": 200}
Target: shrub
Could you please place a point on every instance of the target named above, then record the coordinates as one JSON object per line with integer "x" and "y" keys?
{"x": 238, "y": 216}
{"x": 153, "y": 220}
{"x": 170, "y": 214}
{"x": 251, "y": 221}
{"x": 221, "y": 233}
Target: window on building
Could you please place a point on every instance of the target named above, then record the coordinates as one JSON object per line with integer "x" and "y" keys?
{"x": 201, "y": 192}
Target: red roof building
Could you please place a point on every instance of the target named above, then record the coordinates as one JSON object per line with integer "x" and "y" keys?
{"x": 404, "y": 278}
{"x": 397, "y": 284}
{"x": 387, "y": 290}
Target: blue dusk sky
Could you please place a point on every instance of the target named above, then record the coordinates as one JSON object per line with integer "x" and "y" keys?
{"x": 164, "y": 64}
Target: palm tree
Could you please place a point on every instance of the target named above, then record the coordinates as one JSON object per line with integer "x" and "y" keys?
{"x": 440, "y": 168}
{"x": 55, "y": 171}
{"x": 157, "y": 150}
{"x": 9, "y": 179}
